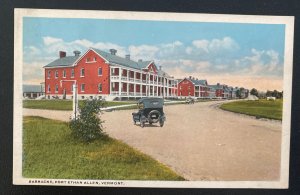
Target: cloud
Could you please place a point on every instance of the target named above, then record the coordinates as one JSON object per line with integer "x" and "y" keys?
{"x": 261, "y": 63}
{"x": 51, "y": 40}
{"x": 146, "y": 52}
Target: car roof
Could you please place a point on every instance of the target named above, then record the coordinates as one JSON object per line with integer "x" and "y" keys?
{"x": 151, "y": 102}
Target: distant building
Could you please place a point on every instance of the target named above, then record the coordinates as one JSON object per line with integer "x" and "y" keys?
{"x": 33, "y": 91}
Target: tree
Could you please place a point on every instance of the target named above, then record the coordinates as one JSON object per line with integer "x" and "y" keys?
{"x": 238, "y": 93}
{"x": 269, "y": 93}
{"x": 88, "y": 126}
{"x": 254, "y": 92}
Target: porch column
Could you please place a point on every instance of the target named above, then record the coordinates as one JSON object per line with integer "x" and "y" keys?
{"x": 110, "y": 83}
{"x": 134, "y": 87}
{"x": 120, "y": 83}
{"x": 127, "y": 88}
{"x": 134, "y": 76}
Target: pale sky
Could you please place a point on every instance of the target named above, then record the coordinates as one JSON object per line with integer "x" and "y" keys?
{"x": 243, "y": 55}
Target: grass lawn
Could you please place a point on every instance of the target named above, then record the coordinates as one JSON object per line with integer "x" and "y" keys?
{"x": 49, "y": 151}
{"x": 60, "y": 104}
{"x": 261, "y": 108}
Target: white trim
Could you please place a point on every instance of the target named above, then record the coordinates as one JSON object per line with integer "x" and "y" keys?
{"x": 106, "y": 61}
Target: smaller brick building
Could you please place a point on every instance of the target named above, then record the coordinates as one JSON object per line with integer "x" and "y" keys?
{"x": 191, "y": 87}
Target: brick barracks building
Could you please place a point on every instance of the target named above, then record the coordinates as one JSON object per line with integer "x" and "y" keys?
{"x": 99, "y": 74}
{"x": 191, "y": 87}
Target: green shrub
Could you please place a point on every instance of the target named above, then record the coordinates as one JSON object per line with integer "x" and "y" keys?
{"x": 88, "y": 126}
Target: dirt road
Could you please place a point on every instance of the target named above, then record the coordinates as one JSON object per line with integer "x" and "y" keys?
{"x": 200, "y": 141}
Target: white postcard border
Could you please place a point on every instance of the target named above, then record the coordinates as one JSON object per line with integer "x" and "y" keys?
{"x": 126, "y": 15}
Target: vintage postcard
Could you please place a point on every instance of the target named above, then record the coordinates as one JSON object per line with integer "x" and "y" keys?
{"x": 145, "y": 99}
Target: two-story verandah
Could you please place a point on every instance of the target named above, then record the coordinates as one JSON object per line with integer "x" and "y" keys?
{"x": 128, "y": 82}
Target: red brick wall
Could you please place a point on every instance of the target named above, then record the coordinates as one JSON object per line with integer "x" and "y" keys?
{"x": 91, "y": 78}
{"x": 184, "y": 87}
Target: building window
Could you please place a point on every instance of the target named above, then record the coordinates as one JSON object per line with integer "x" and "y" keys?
{"x": 82, "y": 72}
{"x": 100, "y": 87}
{"x": 56, "y": 74}
{"x": 100, "y": 71}
{"x": 72, "y": 73}
{"x": 82, "y": 87}
{"x": 88, "y": 59}
{"x": 56, "y": 88}
{"x": 49, "y": 74}
{"x": 95, "y": 59}
{"x": 64, "y": 74}
{"x": 49, "y": 89}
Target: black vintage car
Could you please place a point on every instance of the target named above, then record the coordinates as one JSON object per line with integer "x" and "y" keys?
{"x": 150, "y": 111}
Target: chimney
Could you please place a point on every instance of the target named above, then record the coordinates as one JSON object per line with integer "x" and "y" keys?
{"x": 190, "y": 77}
{"x": 159, "y": 67}
{"x": 113, "y": 51}
{"x": 127, "y": 57}
{"x": 62, "y": 54}
{"x": 76, "y": 53}
{"x": 140, "y": 60}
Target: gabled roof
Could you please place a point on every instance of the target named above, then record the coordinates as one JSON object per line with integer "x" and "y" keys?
{"x": 110, "y": 58}
{"x": 119, "y": 60}
{"x": 162, "y": 73}
{"x": 198, "y": 82}
{"x": 32, "y": 88}
{"x": 61, "y": 62}
{"x": 216, "y": 86}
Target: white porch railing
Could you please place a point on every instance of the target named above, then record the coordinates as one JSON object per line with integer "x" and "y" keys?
{"x": 114, "y": 93}
{"x": 124, "y": 78}
{"x": 114, "y": 77}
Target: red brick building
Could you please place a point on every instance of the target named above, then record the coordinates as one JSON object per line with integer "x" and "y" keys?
{"x": 191, "y": 87}
{"x": 100, "y": 74}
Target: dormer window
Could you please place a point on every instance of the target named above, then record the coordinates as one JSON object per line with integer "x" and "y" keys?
{"x": 88, "y": 59}
{"x": 64, "y": 74}
{"x": 56, "y": 74}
